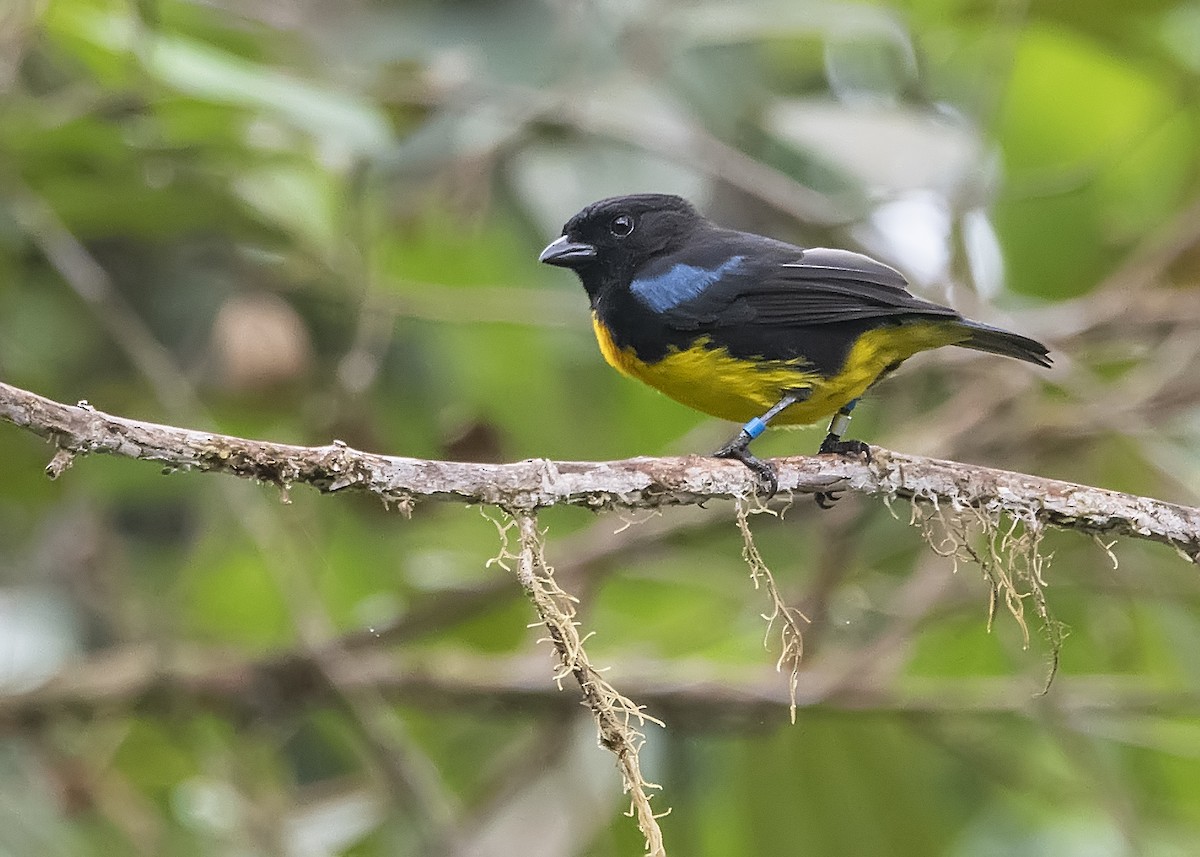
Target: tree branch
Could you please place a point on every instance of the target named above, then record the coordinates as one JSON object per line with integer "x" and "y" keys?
{"x": 632, "y": 483}
{"x": 144, "y": 679}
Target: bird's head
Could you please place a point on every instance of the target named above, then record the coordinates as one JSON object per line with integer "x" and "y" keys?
{"x": 609, "y": 240}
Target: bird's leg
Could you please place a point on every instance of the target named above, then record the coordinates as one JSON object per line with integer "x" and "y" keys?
{"x": 834, "y": 445}
{"x": 739, "y": 446}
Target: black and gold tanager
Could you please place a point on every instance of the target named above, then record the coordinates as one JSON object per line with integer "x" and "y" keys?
{"x": 751, "y": 329}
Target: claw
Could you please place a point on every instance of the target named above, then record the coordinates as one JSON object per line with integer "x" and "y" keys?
{"x": 826, "y": 499}
{"x": 737, "y": 449}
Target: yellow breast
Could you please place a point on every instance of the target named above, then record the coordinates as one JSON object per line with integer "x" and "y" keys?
{"x": 715, "y": 382}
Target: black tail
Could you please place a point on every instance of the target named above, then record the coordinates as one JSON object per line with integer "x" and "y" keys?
{"x": 996, "y": 341}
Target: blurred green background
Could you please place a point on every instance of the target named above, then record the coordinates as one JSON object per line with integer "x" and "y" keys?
{"x": 299, "y": 221}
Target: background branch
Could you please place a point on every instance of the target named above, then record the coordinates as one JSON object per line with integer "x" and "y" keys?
{"x": 692, "y": 696}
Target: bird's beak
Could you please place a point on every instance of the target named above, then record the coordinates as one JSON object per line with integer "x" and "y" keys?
{"x": 565, "y": 253}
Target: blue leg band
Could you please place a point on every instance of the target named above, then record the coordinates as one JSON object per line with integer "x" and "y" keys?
{"x": 754, "y": 428}
{"x": 849, "y": 406}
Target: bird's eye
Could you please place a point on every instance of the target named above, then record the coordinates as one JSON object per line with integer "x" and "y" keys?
{"x": 621, "y": 225}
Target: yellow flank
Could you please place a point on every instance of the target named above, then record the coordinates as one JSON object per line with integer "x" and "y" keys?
{"x": 713, "y": 381}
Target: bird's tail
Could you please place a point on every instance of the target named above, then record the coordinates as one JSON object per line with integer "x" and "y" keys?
{"x": 984, "y": 337}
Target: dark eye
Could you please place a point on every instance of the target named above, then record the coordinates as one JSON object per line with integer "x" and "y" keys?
{"x": 621, "y": 225}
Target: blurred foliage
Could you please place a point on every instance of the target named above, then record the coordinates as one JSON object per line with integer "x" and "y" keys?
{"x": 300, "y": 220}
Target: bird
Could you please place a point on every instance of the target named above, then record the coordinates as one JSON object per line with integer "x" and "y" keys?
{"x": 751, "y": 329}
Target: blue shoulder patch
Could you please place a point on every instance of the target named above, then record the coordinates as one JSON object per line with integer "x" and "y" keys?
{"x": 681, "y": 283}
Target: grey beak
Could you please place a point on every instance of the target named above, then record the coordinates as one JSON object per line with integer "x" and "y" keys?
{"x": 565, "y": 253}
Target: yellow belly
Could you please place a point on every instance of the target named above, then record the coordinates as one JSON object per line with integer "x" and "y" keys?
{"x": 711, "y": 380}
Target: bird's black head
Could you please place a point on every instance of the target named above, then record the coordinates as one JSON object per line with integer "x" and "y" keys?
{"x": 609, "y": 240}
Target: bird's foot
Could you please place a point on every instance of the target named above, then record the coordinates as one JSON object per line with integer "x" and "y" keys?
{"x": 738, "y": 449}
{"x": 834, "y": 445}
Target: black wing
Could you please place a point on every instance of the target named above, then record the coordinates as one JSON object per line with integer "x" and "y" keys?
{"x": 819, "y": 286}
{"x": 812, "y": 305}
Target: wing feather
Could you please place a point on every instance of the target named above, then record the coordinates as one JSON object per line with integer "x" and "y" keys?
{"x": 822, "y": 286}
